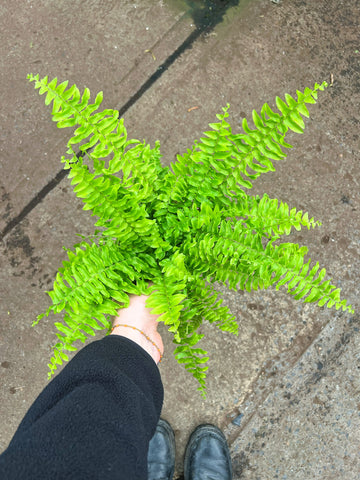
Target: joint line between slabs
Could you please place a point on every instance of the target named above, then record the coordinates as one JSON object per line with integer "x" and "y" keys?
{"x": 209, "y": 24}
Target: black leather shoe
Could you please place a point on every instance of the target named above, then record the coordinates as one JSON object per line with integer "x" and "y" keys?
{"x": 207, "y": 455}
{"x": 161, "y": 455}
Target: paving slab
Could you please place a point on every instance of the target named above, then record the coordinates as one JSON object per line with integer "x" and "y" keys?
{"x": 104, "y": 45}
{"x": 258, "y": 50}
{"x": 308, "y": 426}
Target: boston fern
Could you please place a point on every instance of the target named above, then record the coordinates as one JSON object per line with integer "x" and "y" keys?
{"x": 172, "y": 232}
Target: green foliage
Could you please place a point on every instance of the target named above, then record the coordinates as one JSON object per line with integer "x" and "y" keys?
{"x": 171, "y": 232}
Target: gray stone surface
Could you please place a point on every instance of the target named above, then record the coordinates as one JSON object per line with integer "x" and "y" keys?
{"x": 255, "y": 51}
{"x": 309, "y": 424}
{"x": 99, "y": 44}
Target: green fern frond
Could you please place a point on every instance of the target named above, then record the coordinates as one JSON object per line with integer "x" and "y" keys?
{"x": 70, "y": 109}
{"x": 269, "y": 216}
{"x": 219, "y": 164}
{"x": 102, "y": 192}
{"x": 241, "y": 261}
{"x": 78, "y": 327}
{"x": 193, "y": 359}
{"x": 203, "y": 303}
{"x": 165, "y": 300}
{"x": 98, "y": 275}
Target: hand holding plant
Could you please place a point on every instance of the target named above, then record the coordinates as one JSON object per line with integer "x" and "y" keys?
{"x": 138, "y": 324}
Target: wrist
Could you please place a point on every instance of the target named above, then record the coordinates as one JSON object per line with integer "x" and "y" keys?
{"x": 139, "y": 337}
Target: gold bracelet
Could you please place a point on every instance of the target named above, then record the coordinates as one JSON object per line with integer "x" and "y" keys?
{"x": 147, "y": 338}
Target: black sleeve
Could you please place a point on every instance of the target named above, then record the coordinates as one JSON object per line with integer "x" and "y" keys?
{"x": 93, "y": 421}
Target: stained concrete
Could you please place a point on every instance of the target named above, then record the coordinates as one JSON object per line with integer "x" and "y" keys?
{"x": 173, "y": 75}
{"x": 307, "y": 426}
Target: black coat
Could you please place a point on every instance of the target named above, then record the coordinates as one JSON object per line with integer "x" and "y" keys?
{"x": 93, "y": 421}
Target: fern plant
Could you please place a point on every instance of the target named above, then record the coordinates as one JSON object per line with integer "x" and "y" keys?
{"x": 172, "y": 232}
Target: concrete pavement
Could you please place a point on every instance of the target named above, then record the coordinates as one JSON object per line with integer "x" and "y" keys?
{"x": 155, "y": 61}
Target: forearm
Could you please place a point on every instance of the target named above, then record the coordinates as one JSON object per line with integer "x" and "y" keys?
{"x": 99, "y": 412}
